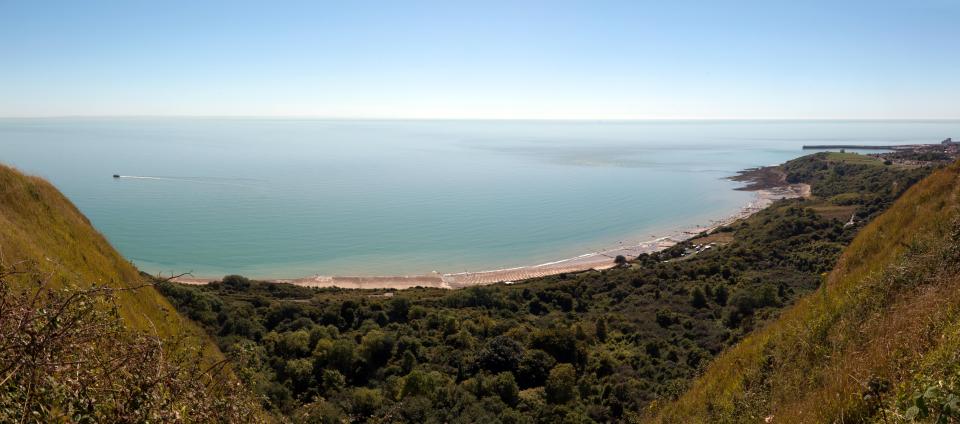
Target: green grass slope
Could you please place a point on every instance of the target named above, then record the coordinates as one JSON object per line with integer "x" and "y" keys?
{"x": 38, "y": 224}
{"x": 878, "y": 342}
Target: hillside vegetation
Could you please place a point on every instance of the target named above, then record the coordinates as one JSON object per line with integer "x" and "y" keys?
{"x": 39, "y": 225}
{"x": 83, "y": 337}
{"x": 587, "y": 347}
{"x": 878, "y": 342}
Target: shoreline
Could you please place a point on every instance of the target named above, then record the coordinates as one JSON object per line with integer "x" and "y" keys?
{"x": 766, "y": 183}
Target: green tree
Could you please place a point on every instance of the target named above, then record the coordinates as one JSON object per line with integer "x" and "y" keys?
{"x": 505, "y": 386}
{"x": 366, "y": 401}
{"x": 376, "y": 348}
{"x": 409, "y": 361}
{"x": 560, "y": 342}
{"x": 332, "y": 380}
{"x": 720, "y": 295}
{"x": 421, "y": 383}
{"x": 319, "y": 412}
{"x": 561, "y": 384}
{"x": 236, "y": 282}
{"x": 398, "y": 309}
{"x": 501, "y": 353}
{"x": 342, "y": 355}
{"x": 534, "y": 368}
{"x": 300, "y": 373}
{"x": 602, "y": 329}
{"x": 698, "y": 299}
{"x": 294, "y": 344}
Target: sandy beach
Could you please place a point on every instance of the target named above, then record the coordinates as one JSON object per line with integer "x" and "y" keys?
{"x": 765, "y": 193}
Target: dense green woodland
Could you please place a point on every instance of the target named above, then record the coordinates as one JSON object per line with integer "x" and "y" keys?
{"x": 593, "y": 346}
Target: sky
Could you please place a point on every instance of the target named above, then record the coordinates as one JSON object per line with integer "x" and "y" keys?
{"x": 486, "y": 59}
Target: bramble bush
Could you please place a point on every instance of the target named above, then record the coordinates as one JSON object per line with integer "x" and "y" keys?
{"x": 65, "y": 356}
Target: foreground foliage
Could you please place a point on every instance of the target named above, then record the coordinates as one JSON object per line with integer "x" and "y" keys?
{"x": 65, "y": 356}
{"x": 594, "y": 346}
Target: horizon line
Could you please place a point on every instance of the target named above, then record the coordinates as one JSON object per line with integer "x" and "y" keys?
{"x": 416, "y": 118}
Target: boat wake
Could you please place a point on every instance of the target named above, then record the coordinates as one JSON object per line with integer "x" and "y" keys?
{"x": 238, "y": 182}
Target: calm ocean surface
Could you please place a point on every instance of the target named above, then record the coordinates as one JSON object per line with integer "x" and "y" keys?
{"x": 291, "y": 198}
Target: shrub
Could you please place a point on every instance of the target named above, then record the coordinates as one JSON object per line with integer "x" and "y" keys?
{"x": 365, "y": 402}
{"x": 620, "y": 260}
{"x": 561, "y": 384}
{"x": 399, "y": 309}
{"x": 319, "y": 412}
{"x": 377, "y": 348}
{"x": 501, "y": 353}
{"x": 333, "y": 381}
{"x": 601, "y": 330}
{"x": 561, "y": 343}
{"x": 698, "y": 299}
{"x": 534, "y": 368}
{"x": 65, "y": 356}
{"x": 236, "y": 282}
{"x": 505, "y": 386}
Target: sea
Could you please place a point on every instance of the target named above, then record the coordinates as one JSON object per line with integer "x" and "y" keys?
{"x": 287, "y": 198}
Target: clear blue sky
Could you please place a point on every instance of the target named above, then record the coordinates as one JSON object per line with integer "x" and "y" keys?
{"x": 484, "y": 59}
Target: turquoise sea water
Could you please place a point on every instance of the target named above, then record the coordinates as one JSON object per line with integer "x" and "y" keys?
{"x": 290, "y": 198}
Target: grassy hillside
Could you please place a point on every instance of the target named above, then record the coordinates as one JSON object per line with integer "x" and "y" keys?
{"x": 878, "y": 342}
{"x": 83, "y": 338}
{"x": 39, "y": 224}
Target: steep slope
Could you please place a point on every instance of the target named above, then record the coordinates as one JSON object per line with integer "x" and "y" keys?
{"x": 117, "y": 353}
{"x": 38, "y": 224}
{"x": 878, "y": 342}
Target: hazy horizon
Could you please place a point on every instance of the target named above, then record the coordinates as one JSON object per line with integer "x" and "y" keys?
{"x": 377, "y": 118}
{"x": 608, "y": 60}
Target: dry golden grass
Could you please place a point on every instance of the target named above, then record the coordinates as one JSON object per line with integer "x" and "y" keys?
{"x": 889, "y": 306}
{"x": 853, "y": 158}
{"x": 39, "y": 224}
{"x": 840, "y": 213}
{"x": 720, "y": 238}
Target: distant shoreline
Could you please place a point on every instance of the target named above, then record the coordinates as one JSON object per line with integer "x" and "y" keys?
{"x": 768, "y": 184}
